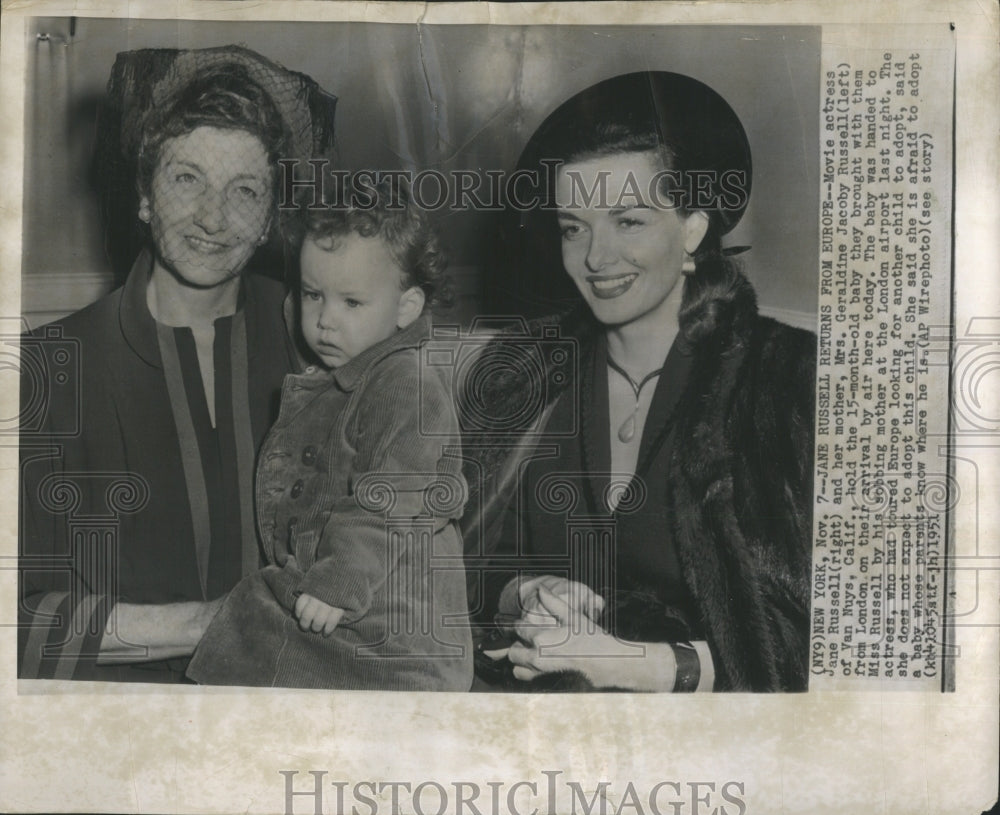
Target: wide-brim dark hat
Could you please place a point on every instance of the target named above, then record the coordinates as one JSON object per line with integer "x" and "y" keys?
{"x": 699, "y": 129}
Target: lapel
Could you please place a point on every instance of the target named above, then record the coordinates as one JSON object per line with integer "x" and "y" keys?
{"x": 349, "y": 375}
{"x": 137, "y": 325}
{"x": 595, "y": 441}
{"x": 670, "y": 385}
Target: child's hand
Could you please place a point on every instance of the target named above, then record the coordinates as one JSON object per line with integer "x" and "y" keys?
{"x": 315, "y": 615}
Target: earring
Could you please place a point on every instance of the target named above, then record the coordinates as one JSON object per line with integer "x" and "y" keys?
{"x": 144, "y": 212}
{"x": 262, "y": 239}
{"x": 688, "y": 266}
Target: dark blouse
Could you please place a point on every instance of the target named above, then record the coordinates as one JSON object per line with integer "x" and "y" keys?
{"x": 221, "y": 564}
{"x": 562, "y": 524}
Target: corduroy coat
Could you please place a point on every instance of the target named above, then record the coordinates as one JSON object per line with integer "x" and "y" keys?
{"x": 359, "y": 491}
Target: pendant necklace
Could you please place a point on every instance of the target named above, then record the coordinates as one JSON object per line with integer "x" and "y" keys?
{"x": 627, "y": 430}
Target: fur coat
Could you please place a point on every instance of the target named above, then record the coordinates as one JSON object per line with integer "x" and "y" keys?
{"x": 739, "y": 485}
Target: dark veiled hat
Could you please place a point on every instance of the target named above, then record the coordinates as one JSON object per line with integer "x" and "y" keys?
{"x": 146, "y": 81}
{"x": 694, "y": 125}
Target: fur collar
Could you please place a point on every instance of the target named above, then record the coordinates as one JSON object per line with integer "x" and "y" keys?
{"x": 516, "y": 366}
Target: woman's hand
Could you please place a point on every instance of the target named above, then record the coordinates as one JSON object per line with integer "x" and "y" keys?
{"x": 145, "y": 633}
{"x": 520, "y": 598}
{"x": 557, "y": 635}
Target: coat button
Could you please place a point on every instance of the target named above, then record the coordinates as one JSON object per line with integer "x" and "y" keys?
{"x": 309, "y": 455}
{"x": 297, "y": 488}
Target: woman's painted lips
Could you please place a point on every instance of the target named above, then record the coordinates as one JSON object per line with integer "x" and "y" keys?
{"x": 607, "y": 288}
{"x": 204, "y": 246}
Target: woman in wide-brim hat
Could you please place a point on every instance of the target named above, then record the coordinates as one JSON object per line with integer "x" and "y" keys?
{"x": 139, "y": 519}
{"x": 648, "y": 527}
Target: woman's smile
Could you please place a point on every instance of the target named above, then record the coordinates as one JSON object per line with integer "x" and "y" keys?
{"x": 206, "y": 246}
{"x": 608, "y": 287}
{"x": 623, "y": 251}
{"x": 210, "y": 204}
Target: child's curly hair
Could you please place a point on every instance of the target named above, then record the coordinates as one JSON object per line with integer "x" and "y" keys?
{"x": 386, "y": 210}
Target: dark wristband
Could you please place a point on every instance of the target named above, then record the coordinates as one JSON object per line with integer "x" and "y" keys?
{"x": 688, "y": 667}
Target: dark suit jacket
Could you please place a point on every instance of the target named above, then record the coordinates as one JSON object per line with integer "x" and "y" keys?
{"x": 110, "y": 502}
{"x": 735, "y": 492}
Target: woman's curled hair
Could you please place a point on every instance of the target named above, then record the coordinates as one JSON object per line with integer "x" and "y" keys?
{"x": 224, "y": 97}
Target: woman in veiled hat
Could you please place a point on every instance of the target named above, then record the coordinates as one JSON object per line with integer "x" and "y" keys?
{"x": 649, "y": 526}
{"x": 138, "y": 520}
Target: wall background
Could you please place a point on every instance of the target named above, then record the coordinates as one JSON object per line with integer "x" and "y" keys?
{"x": 447, "y": 97}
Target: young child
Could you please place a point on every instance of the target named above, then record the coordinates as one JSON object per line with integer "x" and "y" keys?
{"x": 359, "y": 483}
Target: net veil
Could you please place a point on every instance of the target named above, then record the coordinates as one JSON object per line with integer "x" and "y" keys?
{"x": 187, "y": 145}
